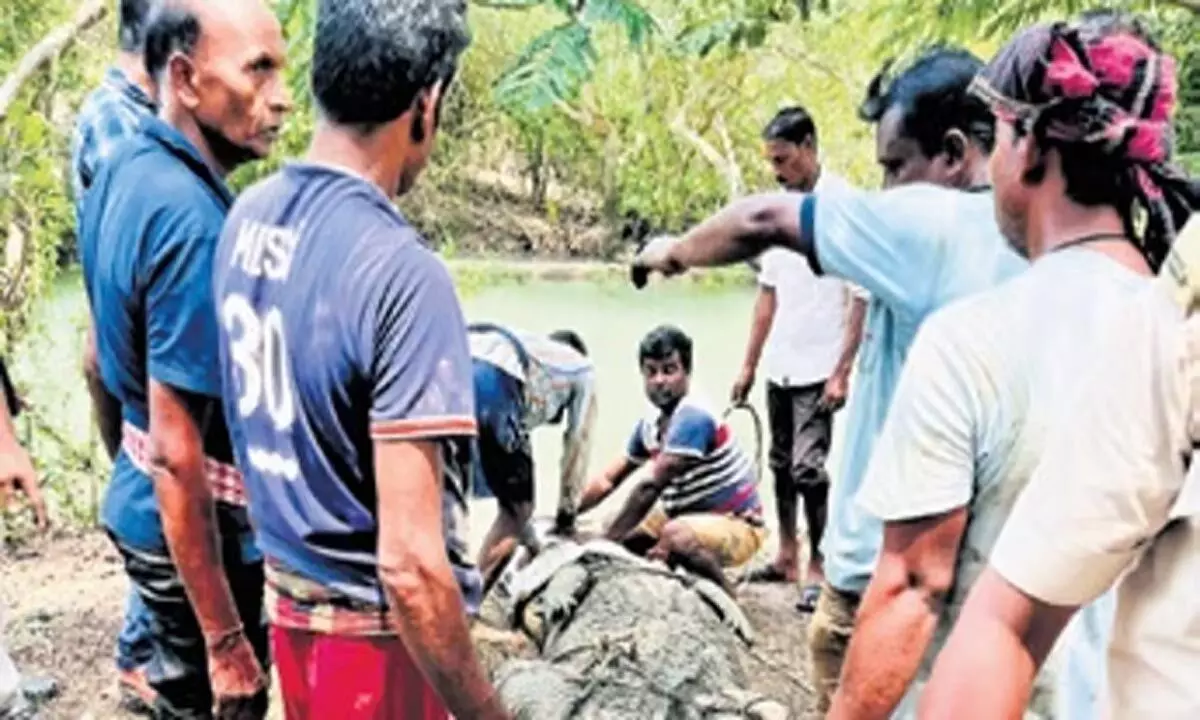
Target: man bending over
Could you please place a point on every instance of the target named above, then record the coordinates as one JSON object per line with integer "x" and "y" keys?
{"x": 524, "y": 381}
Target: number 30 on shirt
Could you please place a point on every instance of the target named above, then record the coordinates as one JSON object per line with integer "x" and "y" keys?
{"x": 258, "y": 347}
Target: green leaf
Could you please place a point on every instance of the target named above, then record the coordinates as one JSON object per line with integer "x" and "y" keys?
{"x": 737, "y": 34}
{"x": 632, "y": 17}
{"x": 553, "y": 67}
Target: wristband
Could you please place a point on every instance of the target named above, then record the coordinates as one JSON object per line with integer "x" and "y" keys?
{"x": 225, "y": 639}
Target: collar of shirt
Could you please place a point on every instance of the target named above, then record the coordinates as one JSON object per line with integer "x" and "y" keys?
{"x": 174, "y": 142}
{"x": 120, "y": 83}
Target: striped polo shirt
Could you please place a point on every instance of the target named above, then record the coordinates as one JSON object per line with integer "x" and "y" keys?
{"x": 721, "y": 480}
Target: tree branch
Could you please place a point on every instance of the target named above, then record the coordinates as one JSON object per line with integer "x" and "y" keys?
{"x": 49, "y": 48}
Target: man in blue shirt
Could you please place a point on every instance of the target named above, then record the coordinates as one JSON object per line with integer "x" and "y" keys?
{"x": 175, "y": 507}
{"x": 110, "y": 115}
{"x": 348, "y": 386}
{"x": 914, "y": 249}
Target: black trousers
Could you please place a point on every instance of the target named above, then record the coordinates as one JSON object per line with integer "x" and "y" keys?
{"x": 178, "y": 667}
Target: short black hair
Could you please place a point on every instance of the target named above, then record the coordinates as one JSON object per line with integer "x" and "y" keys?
{"x": 373, "y": 58}
{"x": 934, "y": 95}
{"x": 791, "y": 124}
{"x": 131, "y": 28}
{"x": 173, "y": 27}
{"x": 663, "y": 340}
{"x": 571, "y": 338}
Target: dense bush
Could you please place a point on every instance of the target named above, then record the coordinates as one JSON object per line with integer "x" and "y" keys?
{"x": 575, "y": 127}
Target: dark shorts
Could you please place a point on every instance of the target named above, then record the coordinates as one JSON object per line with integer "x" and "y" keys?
{"x": 178, "y": 665}
{"x": 502, "y": 454}
{"x": 801, "y": 432}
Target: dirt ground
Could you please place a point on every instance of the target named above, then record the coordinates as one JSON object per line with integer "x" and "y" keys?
{"x": 62, "y": 598}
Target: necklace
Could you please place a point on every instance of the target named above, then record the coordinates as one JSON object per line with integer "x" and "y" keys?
{"x": 1086, "y": 239}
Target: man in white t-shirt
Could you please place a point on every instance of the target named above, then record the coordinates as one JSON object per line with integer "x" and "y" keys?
{"x": 807, "y": 330}
{"x": 991, "y": 381}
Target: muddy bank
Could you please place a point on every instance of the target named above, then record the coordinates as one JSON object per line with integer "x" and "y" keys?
{"x": 63, "y": 598}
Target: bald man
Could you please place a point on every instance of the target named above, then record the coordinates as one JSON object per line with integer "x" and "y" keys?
{"x": 176, "y": 505}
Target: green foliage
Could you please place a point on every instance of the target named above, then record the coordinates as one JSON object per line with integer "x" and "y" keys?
{"x": 557, "y": 63}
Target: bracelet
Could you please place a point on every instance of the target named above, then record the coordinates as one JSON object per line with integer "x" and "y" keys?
{"x": 224, "y": 640}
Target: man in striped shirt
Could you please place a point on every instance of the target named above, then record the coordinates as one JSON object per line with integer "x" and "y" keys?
{"x": 700, "y": 507}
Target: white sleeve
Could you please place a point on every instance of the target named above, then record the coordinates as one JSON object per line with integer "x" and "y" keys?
{"x": 924, "y": 460}
{"x": 1111, "y": 472}
{"x": 768, "y": 275}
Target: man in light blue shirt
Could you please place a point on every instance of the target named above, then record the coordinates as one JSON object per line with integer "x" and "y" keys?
{"x": 914, "y": 249}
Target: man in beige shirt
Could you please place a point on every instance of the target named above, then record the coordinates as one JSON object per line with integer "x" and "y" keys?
{"x": 1116, "y": 500}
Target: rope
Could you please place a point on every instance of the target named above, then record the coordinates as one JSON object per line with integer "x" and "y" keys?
{"x": 758, "y": 435}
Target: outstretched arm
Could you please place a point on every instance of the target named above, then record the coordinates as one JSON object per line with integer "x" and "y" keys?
{"x": 899, "y": 613}
{"x": 743, "y": 230}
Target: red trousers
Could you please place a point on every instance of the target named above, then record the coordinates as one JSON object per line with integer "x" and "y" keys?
{"x": 334, "y": 677}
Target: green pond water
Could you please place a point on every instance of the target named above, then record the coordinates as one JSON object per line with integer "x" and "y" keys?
{"x": 611, "y": 318}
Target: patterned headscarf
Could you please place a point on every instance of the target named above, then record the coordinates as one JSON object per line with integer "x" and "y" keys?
{"x": 1101, "y": 83}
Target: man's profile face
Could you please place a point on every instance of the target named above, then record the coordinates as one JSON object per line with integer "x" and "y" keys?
{"x": 1007, "y": 170}
{"x": 241, "y": 93}
{"x": 795, "y": 166}
{"x": 901, "y": 158}
{"x": 665, "y": 379}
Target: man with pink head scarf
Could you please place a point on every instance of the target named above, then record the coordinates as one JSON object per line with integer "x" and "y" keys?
{"x": 1084, "y": 144}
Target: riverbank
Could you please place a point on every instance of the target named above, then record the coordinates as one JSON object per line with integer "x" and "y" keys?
{"x": 63, "y": 597}
{"x": 475, "y": 273}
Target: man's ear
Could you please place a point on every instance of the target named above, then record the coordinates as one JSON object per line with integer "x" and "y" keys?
{"x": 954, "y": 147}
{"x": 425, "y": 117}
{"x": 180, "y": 75}
{"x": 1032, "y": 157}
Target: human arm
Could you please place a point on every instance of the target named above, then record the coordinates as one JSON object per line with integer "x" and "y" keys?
{"x": 1104, "y": 489}
{"x": 105, "y": 407}
{"x": 424, "y": 601}
{"x": 412, "y": 346}
{"x": 899, "y": 613}
{"x": 577, "y": 447}
{"x": 16, "y": 469}
{"x": 642, "y": 499}
{"x": 184, "y": 387}
{"x": 690, "y": 434}
{"x": 741, "y": 231}
{"x": 920, "y": 482}
{"x": 837, "y": 387}
{"x": 760, "y": 328}
{"x": 889, "y": 243}
{"x": 193, "y": 539}
{"x": 603, "y": 485}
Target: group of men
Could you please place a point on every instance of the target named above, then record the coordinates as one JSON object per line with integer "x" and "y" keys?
{"x": 297, "y": 407}
{"x": 1014, "y": 525}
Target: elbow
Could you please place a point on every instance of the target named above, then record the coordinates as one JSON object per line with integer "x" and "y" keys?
{"x": 768, "y": 221}
{"x": 409, "y": 577}
{"x": 932, "y": 585}
{"x": 91, "y": 365}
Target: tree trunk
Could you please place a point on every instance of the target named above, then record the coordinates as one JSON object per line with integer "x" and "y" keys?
{"x": 805, "y": 10}
{"x": 49, "y": 48}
